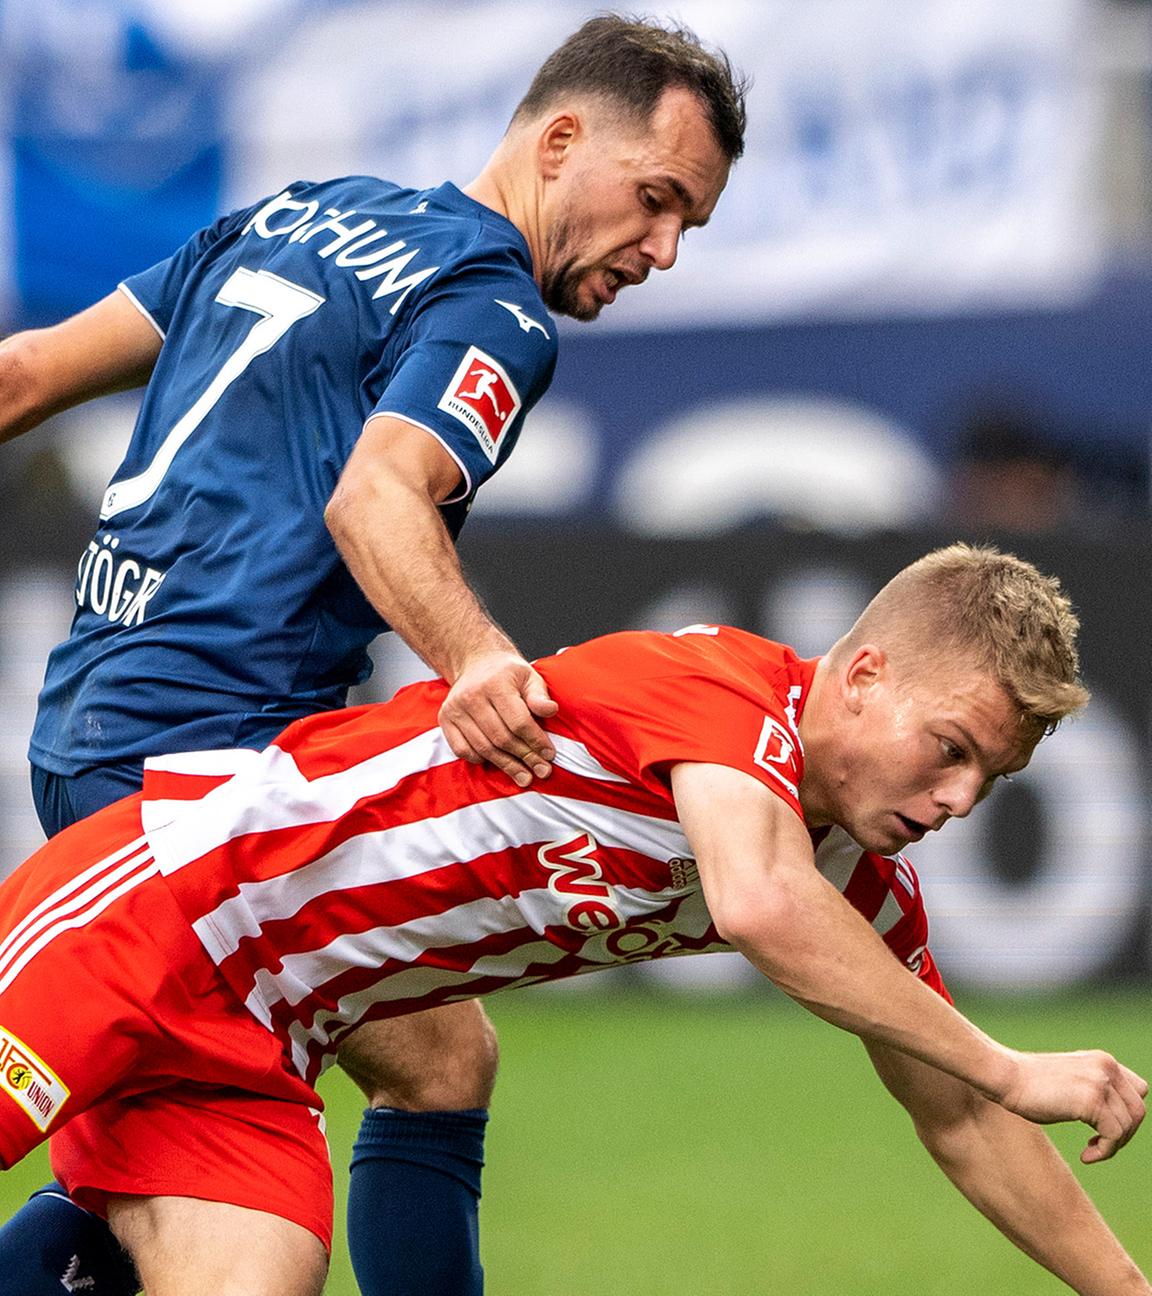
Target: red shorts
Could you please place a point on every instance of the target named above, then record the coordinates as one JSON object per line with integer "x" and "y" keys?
{"x": 194, "y": 1141}
{"x": 119, "y": 1038}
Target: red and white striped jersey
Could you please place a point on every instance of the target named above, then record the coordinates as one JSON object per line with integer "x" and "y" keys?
{"x": 357, "y": 869}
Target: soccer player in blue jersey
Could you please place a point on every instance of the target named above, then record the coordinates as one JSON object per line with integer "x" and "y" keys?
{"x": 331, "y": 374}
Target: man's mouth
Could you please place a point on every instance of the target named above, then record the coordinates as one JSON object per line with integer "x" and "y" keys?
{"x": 610, "y": 284}
{"x": 613, "y": 279}
{"x": 913, "y": 828}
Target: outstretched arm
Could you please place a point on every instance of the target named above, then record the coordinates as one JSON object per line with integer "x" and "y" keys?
{"x": 767, "y": 898}
{"x": 383, "y": 516}
{"x": 1011, "y": 1173}
{"x": 107, "y": 348}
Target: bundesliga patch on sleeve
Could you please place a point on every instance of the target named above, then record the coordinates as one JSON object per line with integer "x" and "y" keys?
{"x": 483, "y": 398}
{"x": 27, "y": 1080}
{"x": 776, "y": 753}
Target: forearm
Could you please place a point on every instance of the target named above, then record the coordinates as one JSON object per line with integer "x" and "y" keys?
{"x": 768, "y": 899}
{"x": 107, "y": 348}
{"x": 1011, "y": 1173}
{"x": 394, "y": 543}
{"x": 1009, "y": 1170}
{"x": 821, "y": 953}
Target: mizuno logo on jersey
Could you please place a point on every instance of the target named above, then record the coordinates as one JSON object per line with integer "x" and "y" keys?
{"x": 71, "y": 1280}
{"x": 114, "y": 586}
{"x": 483, "y": 398}
{"x": 526, "y": 322}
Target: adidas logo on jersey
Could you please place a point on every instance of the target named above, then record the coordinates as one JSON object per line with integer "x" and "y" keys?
{"x": 683, "y": 873}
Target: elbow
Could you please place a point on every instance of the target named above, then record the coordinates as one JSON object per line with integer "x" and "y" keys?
{"x": 758, "y": 930}
{"x": 732, "y": 928}
{"x": 367, "y": 491}
{"x": 341, "y": 511}
{"x": 19, "y": 400}
{"x": 948, "y": 1128}
{"x": 728, "y": 917}
{"x": 334, "y": 513}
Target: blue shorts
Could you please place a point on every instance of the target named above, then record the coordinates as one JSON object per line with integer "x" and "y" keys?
{"x": 62, "y": 799}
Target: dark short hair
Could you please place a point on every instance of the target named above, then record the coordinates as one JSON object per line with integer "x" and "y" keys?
{"x": 633, "y": 60}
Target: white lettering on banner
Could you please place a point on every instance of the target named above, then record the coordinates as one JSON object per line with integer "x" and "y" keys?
{"x": 348, "y": 243}
{"x": 113, "y": 587}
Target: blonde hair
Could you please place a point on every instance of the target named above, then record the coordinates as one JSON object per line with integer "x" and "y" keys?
{"x": 990, "y": 610}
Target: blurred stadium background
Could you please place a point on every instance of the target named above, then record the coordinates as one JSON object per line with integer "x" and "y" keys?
{"x": 923, "y": 312}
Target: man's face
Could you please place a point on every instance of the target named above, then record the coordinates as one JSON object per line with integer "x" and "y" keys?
{"x": 623, "y": 199}
{"x": 922, "y": 749}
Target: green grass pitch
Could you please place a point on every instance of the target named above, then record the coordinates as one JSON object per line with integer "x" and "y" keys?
{"x": 666, "y": 1145}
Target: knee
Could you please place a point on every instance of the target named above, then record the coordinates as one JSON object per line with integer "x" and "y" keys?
{"x": 444, "y": 1059}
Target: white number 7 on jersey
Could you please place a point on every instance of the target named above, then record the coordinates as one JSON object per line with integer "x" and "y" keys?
{"x": 280, "y": 304}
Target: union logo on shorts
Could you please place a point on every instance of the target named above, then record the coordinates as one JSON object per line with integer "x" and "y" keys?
{"x": 29, "y": 1082}
{"x": 483, "y": 398}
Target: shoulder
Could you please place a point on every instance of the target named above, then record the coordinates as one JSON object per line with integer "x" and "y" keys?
{"x": 702, "y": 652}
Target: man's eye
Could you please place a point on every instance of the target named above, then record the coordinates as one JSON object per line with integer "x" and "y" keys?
{"x": 951, "y": 751}
{"x": 650, "y": 201}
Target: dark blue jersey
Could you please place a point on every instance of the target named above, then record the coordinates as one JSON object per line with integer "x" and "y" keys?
{"x": 212, "y": 603}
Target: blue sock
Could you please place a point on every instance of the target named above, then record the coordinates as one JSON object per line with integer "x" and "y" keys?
{"x": 51, "y": 1246}
{"x": 413, "y": 1227}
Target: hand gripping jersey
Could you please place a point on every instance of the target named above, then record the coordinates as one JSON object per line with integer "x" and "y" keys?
{"x": 357, "y": 869}
{"x": 212, "y": 605}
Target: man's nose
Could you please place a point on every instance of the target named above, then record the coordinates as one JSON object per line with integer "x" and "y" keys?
{"x": 661, "y": 245}
{"x": 959, "y": 794}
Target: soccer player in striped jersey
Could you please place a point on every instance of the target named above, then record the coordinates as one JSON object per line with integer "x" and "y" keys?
{"x": 711, "y": 790}
{"x": 334, "y": 372}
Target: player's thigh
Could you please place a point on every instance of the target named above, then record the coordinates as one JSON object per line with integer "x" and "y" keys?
{"x": 442, "y": 1059}
{"x": 186, "y": 1247}
{"x": 204, "y": 1142}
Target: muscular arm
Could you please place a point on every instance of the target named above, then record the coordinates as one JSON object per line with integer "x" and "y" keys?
{"x": 767, "y": 898}
{"x": 1011, "y": 1173}
{"x": 385, "y": 522}
{"x": 107, "y": 348}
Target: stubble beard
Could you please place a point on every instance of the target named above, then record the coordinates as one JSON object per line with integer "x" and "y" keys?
{"x": 560, "y": 285}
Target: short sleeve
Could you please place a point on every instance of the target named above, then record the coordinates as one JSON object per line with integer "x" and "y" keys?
{"x": 478, "y": 353}
{"x": 156, "y": 290}
{"x": 711, "y": 695}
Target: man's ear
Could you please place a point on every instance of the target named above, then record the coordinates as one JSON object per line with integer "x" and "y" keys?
{"x": 555, "y": 141}
{"x": 864, "y": 670}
